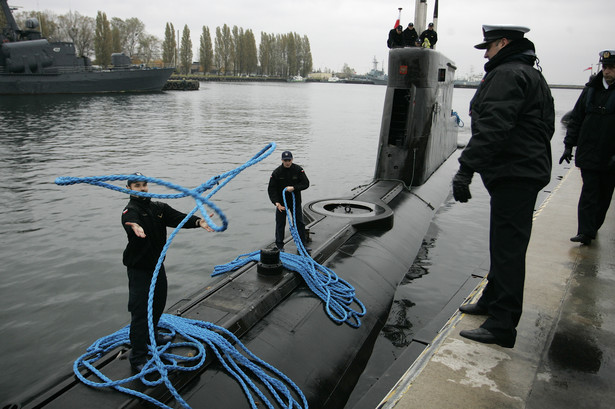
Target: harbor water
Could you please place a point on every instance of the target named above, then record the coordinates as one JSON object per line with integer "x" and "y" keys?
{"x": 62, "y": 282}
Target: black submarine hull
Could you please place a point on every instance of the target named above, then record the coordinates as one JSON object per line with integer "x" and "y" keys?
{"x": 369, "y": 239}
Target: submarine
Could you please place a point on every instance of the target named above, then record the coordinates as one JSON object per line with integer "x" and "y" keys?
{"x": 370, "y": 239}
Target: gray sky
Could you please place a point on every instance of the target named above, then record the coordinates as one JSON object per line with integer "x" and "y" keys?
{"x": 568, "y": 34}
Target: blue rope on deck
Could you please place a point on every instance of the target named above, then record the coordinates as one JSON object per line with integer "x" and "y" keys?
{"x": 337, "y": 294}
{"x": 196, "y": 333}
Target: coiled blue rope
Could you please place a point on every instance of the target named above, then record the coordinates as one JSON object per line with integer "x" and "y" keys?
{"x": 337, "y": 294}
{"x": 217, "y": 338}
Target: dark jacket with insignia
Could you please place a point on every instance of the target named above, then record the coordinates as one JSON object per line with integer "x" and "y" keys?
{"x": 154, "y": 218}
{"x": 281, "y": 177}
{"x": 513, "y": 120}
{"x": 592, "y": 126}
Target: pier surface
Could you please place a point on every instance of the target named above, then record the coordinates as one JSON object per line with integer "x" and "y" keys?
{"x": 564, "y": 353}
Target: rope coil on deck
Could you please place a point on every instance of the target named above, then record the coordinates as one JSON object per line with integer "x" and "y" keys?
{"x": 196, "y": 333}
{"x": 337, "y": 294}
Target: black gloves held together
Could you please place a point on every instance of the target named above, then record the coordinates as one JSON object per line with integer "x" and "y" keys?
{"x": 461, "y": 185}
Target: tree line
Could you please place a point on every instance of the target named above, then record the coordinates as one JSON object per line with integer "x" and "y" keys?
{"x": 233, "y": 51}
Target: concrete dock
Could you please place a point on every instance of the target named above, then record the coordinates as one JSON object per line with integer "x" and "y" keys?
{"x": 565, "y": 346}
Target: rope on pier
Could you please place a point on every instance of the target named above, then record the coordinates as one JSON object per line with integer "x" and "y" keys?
{"x": 337, "y": 294}
{"x": 220, "y": 340}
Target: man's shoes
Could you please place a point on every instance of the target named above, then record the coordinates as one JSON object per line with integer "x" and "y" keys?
{"x": 581, "y": 238}
{"x": 486, "y": 337}
{"x": 473, "y": 309}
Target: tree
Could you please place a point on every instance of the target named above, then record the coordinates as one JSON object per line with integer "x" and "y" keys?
{"x": 185, "y": 51}
{"x": 237, "y": 50}
{"x": 169, "y": 46}
{"x": 206, "y": 51}
{"x": 133, "y": 30}
{"x": 102, "y": 40}
{"x": 80, "y": 30}
{"x": 224, "y": 49}
{"x": 250, "y": 63}
{"x": 149, "y": 48}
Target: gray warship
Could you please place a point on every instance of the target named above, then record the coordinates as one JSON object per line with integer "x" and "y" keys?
{"x": 30, "y": 64}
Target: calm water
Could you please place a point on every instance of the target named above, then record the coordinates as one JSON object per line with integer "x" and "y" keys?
{"x": 62, "y": 282}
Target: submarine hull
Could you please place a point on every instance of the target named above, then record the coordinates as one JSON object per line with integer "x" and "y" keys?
{"x": 370, "y": 239}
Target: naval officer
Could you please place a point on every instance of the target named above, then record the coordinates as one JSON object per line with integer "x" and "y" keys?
{"x": 592, "y": 130}
{"x": 513, "y": 120}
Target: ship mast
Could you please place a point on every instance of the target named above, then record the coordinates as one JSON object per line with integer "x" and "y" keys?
{"x": 420, "y": 15}
{"x": 10, "y": 20}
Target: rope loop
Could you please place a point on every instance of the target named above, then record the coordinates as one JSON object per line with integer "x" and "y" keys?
{"x": 242, "y": 364}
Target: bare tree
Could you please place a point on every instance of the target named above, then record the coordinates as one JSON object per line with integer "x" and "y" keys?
{"x": 149, "y": 48}
{"x": 80, "y": 30}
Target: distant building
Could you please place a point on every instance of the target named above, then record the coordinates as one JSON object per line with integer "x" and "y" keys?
{"x": 319, "y": 76}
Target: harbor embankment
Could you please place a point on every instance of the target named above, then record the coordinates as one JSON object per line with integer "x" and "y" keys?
{"x": 563, "y": 357}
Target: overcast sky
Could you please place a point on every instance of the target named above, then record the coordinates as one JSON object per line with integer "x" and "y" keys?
{"x": 568, "y": 34}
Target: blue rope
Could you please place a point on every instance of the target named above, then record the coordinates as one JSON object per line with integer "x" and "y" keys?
{"x": 457, "y": 119}
{"x": 337, "y": 294}
{"x": 217, "y": 338}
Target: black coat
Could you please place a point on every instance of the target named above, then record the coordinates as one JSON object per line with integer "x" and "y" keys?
{"x": 431, "y": 35}
{"x": 395, "y": 40}
{"x": 513, "y": 120}
{"x": 154, "y": 218}
{"x": 592, "y": 126}
{"x": 282, "y": 177}
{"x": 410, "y": 36}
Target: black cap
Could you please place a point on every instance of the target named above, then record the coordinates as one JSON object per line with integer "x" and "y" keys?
{"x": 398, "y": 27}
{"x": 287, "y": 155}
{"x": 430, "y": 25}
{"x": 607, "y": 57}
{"x": 131, "y": 181}
{"x": 410, "y": 24}
{"x": 492, "y": 33}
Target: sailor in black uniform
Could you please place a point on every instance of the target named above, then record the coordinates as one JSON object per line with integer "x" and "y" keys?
{"x": 513, "y": 119}
{"x": 592, "y": 130}
{"x": 292, "y": 177}
{"x": 146, "y": 225}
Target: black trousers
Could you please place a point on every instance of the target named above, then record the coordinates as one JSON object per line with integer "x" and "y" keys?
{"x": 280, "y": 224}
{"x": 512, "y": 209}
{"x": 595, "y": 199}
{"x": 138, "y": 289}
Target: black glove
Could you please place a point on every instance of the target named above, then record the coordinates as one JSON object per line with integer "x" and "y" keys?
{"x": 567, "y": 155}
{"x": 461, "y": 185}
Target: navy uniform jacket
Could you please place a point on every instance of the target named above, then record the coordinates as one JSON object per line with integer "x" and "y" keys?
{"x": 592, "y": 126}
{"x": 281, "y": 177}
{"x": 513, "y": 120}
{"x": 154, "y": 218}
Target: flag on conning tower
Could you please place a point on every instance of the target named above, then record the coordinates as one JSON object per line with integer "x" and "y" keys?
{"x": 398, "y": 19}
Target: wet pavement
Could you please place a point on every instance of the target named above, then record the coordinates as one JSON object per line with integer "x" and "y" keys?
{"x": 563, "y": 357}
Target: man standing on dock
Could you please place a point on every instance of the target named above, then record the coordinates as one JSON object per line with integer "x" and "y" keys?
{"x": 291, "y": 177}
{"x": 513, "y": 120}
{"x": 592, "y": 130}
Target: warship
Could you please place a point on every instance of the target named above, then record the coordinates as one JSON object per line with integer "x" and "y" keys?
{"x": 30, "y": 64}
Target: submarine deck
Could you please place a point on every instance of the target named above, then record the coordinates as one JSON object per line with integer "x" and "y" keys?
{"x": 563, "y": 357}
